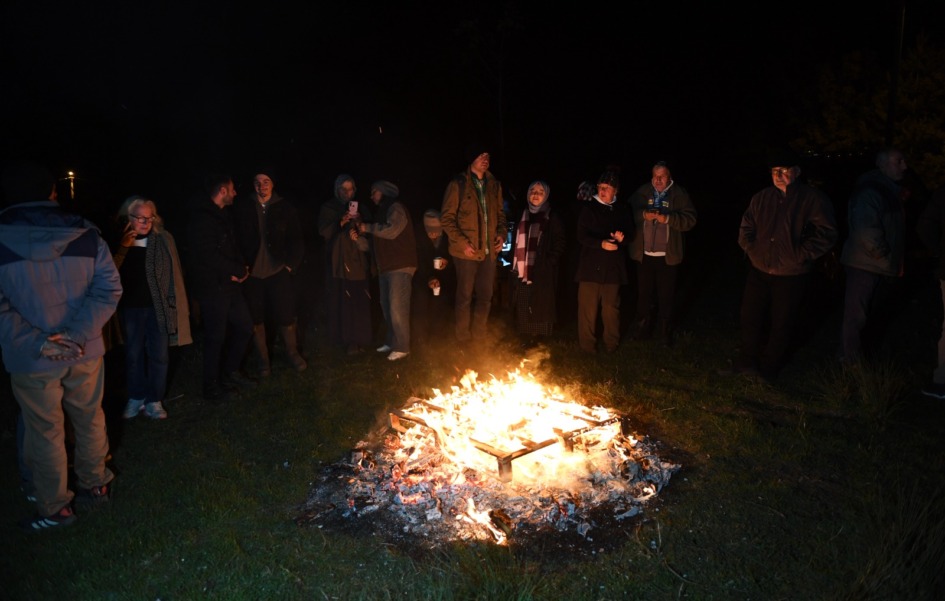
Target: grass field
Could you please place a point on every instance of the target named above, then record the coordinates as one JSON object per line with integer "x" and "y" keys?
{"x": 828, "y": 485}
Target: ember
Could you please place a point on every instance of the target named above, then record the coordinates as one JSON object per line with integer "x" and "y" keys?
{"x": 444, "y": 469}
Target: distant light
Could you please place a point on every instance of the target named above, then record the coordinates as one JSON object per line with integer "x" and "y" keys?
{"x": 380, "y": 129}
{"x": 71, "y": 174}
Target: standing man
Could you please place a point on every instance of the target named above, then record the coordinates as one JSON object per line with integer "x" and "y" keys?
{"x": 395, "y": 255}
{"x": 602, "y": 230}
{"x": 473, "y": 220}
{"x": 787, "y": 227}
{"x": 217, "y": 272}
{"x": 662, "y": 212}
{"x": 931, "y": 231}
{"x": 875, "y": 248}
{"x": 270, "y": 239}
{"x": 58, "y": 287}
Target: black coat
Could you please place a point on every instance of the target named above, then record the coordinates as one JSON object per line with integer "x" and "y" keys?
{"x": 283, "y": 231}
{"x": 595, "y": 224}
{"x": 544, "y": 273}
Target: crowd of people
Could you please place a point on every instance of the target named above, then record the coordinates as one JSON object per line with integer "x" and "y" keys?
{"x": 67, "y": 291}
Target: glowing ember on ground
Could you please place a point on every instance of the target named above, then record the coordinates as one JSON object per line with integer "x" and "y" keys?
{"x": 489, "y": 460}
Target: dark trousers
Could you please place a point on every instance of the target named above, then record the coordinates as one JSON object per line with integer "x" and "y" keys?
{"x": 226, "y": 322}
{"x": 272, "y": 297}
{"x": 656, "y": 279}
{"x": 349, "y": 312}
{"x": 592, "y": 296}
{"x": 770, "y": 307}
{"x": 865, "y": 295}
{"x": 475, "y": 281}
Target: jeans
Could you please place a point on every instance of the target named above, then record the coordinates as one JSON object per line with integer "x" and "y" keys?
{"x": 474, "y": 282}
{"x": 395, "y": 287}
{"x": 146, "y": 354}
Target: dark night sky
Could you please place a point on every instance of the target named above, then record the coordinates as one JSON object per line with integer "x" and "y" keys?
{"x": 146, "y": 97}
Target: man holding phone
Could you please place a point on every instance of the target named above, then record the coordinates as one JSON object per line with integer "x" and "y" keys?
{"x": 662, "y": 212}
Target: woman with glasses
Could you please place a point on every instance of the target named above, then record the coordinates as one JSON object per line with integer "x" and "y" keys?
{"x": 153, "y": 311}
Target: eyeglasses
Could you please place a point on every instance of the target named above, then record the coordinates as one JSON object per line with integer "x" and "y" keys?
{"x": 782, "y": 171}
{"x": 141, "y": 220}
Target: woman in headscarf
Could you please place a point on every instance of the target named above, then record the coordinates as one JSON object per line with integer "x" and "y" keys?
{"x": 153, "y": 310}
{"x": 539, "y": 245}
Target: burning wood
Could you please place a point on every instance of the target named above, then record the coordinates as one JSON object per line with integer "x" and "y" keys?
{"x": 444, "y": 468}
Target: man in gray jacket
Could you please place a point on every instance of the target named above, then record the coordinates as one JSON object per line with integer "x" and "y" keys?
{"x": 663, "y": 213}
{"x": 875, "y": 249}
{"x": 58, "y": 287}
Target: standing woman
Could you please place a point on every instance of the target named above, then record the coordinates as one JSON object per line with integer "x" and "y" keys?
{"x": 153, "y": 310}
{"x": 539, "y": 245}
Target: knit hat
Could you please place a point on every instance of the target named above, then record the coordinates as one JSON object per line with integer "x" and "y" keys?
{"x": 611, "y": 178}
{"x": 267, "y": 170}
{"x": 474, "y": 149}
{"x": 386, "y": 188}
{"x": 431, "y": 221}
{"x": 26, "y": 181}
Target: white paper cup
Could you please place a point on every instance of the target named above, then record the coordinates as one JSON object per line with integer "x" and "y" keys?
{"x": 439, "y": 263}
{"x": 436, "y": 291}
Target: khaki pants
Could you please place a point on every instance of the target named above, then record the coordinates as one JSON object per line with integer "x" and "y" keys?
{"x": 46, "y": 398}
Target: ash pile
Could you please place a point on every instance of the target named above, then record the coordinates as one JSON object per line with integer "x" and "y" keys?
{"x": 409, "y": 488}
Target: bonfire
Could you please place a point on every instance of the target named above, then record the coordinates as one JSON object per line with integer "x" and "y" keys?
{"x": 491, "y": 461}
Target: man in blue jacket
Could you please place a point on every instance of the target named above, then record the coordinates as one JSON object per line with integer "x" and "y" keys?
{"x": 875, "y": 249}
{"x": 58, "y": 287}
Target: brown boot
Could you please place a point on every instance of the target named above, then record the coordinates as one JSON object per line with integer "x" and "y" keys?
{"x": 292, "y": 348}
{"x": 262, "y": 350}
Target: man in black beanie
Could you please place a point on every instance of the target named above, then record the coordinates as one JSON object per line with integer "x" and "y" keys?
{"x": 474, "y": 221}
{"x": 270, "y": 239}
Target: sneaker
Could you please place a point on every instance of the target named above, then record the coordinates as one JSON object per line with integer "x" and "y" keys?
{"x": 133, "y": 408}
{"x": 27, "y": 488}
{"x": 155, "y": 410}
{"x": 396, "y": 355}
{"x": 383, "y": 349}
{"x": 90, "y": 498}
{"x": 63, "y": 517}
{"x": 935, "y": 390}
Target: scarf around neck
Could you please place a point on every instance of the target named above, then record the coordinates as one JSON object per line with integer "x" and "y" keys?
{"x": 527, "y": 236}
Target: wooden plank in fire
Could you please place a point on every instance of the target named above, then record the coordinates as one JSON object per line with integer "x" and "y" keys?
{"x": 504, "y": 458}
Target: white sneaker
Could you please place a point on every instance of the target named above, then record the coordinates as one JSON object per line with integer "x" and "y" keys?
{"x": 155, "y": 410}
{"x": 133, "y": 408}
{"x": 396, "y": 355}
{"x": 383, "y": 349}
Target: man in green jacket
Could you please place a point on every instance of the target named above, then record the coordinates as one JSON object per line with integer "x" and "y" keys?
{"x": 473, "y": 220}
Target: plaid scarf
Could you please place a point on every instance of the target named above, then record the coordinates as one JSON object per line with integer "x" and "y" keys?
{"x": 159, "y": 273}
{"x": 528, "y": 233}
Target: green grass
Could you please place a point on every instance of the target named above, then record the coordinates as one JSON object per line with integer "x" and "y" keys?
{"x": 826, "y": 486}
